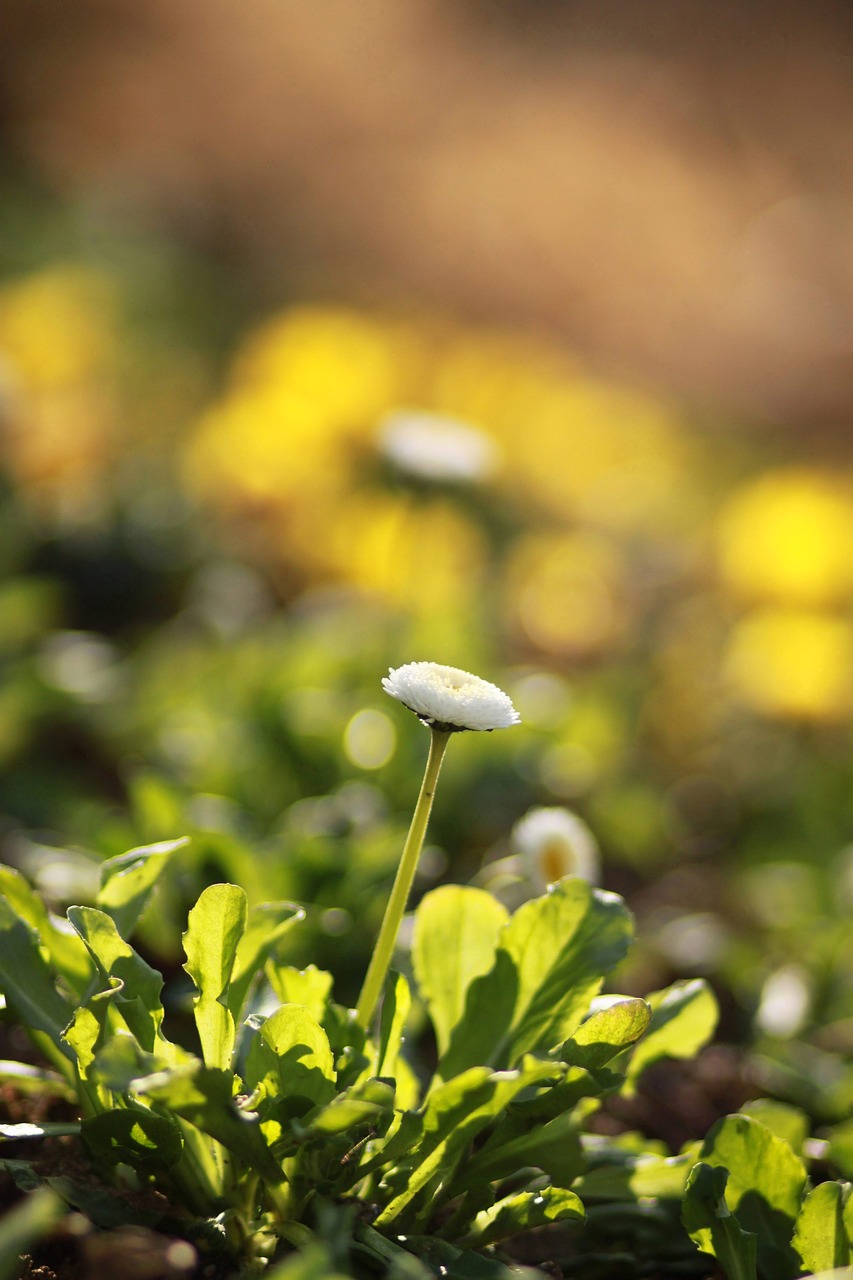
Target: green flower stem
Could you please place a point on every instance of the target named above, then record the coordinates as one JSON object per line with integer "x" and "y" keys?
{"x": 384, "y": 949}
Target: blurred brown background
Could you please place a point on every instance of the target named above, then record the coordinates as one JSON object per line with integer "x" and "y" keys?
{"x": 667, "y": 185}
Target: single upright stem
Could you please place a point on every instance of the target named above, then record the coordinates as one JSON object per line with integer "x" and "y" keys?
{"x": 384, "y": 949}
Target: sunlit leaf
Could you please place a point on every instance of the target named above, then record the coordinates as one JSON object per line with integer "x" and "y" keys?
{"x": 266, "y": 925}
{"x": 787, "y": 1122}
{"x": 455, "y": 936}
{"x": 713, "y": 1227}
{"x": 551, "y": 959}
{"x": 764, "y": 1190}
{"x": 68, "y": 956}
{"x": 606, "y": 1033}
{"x": 522, "y": 1212}
{"x": 140, "y": 986}
{"x": 214, "y": 929}
{"x": 291, "y": 1058}
{"x": 684, "y": 1017}
{"x": 128, "y": 880}
{"x": 452, "y": 1115}
{"x": 820, "y": 1235}
{"x": 309, "y": 987}
{"x": 28, "y": 984}
{"x": 395, "y": 1010}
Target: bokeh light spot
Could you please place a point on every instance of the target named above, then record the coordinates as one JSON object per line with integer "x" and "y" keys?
{"x": 370, "y": 739}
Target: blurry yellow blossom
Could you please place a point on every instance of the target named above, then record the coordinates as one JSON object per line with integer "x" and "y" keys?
{"x": 57, "y": 326}
{"x": 793, "y": 664}
{"x": 788, "y": 536}
{"x": 579, "y": 445}
{"x": 343, "y": 367}
{"x": 58, "y": 353}
{"x": 426, "y": 558}
{"x": 567, "y": 591}
{"x": 613, "y": 457}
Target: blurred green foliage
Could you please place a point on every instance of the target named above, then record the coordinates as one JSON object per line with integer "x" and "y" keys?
{"x": 219, "y": 526}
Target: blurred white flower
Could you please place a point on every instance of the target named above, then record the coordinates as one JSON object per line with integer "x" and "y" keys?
{"x": 450, "y": 699}
{"x": 428, "y": 446}
{"x": 553, "y": 842}
{"x": 785, "y": 1002}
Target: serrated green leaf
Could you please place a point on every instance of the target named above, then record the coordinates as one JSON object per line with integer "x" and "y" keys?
{"x": 137, "y": 986}
{"x": 214, "y": 929}
{"x": 395, "y": 1010}
{"x": 266, "y": 925}
{"x": 133, "y": 1136}
{"x": 128, "y": 880}
{"x": 606, "y": 1033}
{"x": 455, "y": 936}
{"x": 764, "y": 1190}
{"x": 820, "y": 1236}
{"x": 712, "y": 1226}
{"x": 522, "y": 1212}
{"x": 684, "y": 1017}
{"x": 28, "y": 984}
{"x": 551, "y": 959}
{"x": 290, "y": 1057}
{"x": 311, "y": 987}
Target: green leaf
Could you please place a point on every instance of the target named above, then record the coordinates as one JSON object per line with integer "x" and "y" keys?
{"x": 452, "y": 1116}
{"x": 50, "y": 1129}
{"x": 711, "y": 1225}
{"x": 214, "y": 929}
{"x": 311, "y": 987}
{"x": 787, "y": 1122}
{"x": 203, "y": 1096}
{"x": 368, "y": 1102}
{"x": 133, "y": 1136}
{"x": 820, "y": 1237}
{"x": 137, "y": 985}
{"x": 455, "y": 936}
{"x": 291, "y": 1058}
{"x": 66, "y": 952}
{"x": 684, "y": 1017}
{"x": 553, "y": 1146}
{"x": 606, "y": 1033}
{"x": 522, "y": 1212}
{"x": 764, "y": 1190}
{"x": 267, "y": 924}
{"x": 551, "y": 959}
{"x": 28, "y": 1222}
{"x": 127, "y": 881}
{"x": 28, "y": 984}
{"x": 28, "y": 1079}
{"x": 395, "y": 1010}
{"x": 627, "y": 1176}
{"x": 314, "y": 1262}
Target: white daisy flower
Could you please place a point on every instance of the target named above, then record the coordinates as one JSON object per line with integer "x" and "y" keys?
{"x": 431, "y": 447}
{"x": 553, "y": 843}
{"x": 450, "y": 699}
